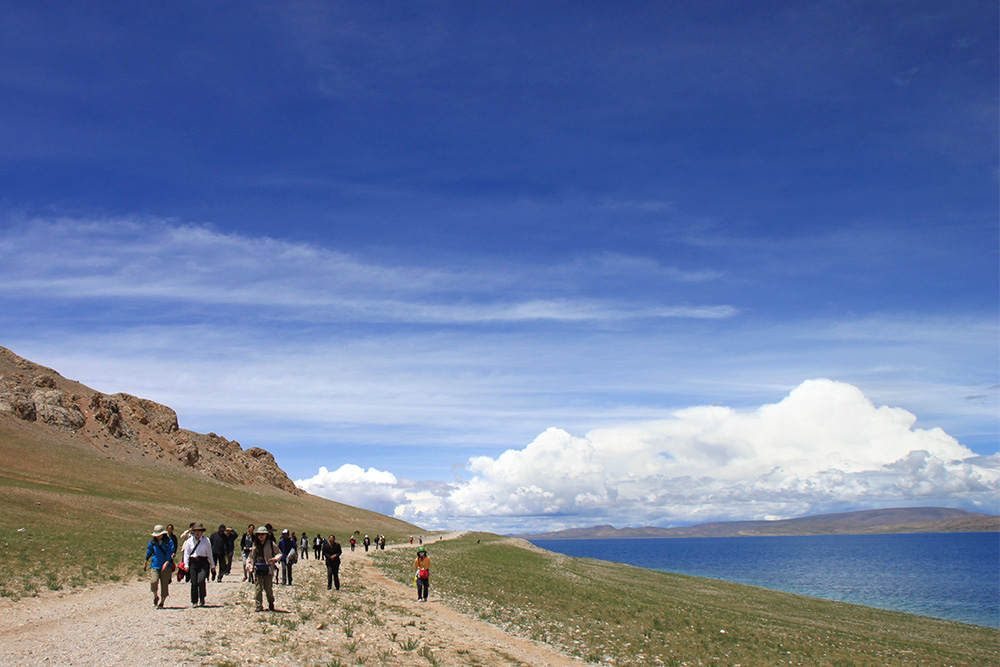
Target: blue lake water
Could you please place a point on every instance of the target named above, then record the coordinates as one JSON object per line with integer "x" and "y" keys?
{"x": 954, "y": 576}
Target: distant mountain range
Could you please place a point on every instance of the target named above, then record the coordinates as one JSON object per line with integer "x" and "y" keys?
{"x": 898, "y": 520}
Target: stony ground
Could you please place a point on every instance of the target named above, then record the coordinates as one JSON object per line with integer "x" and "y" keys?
{"x": 371, "y": 621}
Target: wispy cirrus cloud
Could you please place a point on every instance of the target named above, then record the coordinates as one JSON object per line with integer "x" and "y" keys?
{"x": 186, "y": 264}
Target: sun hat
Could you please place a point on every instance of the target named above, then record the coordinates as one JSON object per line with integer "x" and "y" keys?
{"x": 262, "y": 531}
{"x": 158, "y": 531}
{"x": 198, "y": 526}
{"x": 421, "y": 550}
{"x": 284, "y": 532}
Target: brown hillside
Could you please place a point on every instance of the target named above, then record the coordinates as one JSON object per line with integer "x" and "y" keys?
{"x": 125, "y": 427}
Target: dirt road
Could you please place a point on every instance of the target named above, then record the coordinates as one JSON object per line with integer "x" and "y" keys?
{"x": 371, "y": 621}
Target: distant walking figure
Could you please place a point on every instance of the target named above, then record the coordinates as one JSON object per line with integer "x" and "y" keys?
{"x": 331, "y": 554}
{"x": 423, "y": 565}
{"x": 289, "y": 554}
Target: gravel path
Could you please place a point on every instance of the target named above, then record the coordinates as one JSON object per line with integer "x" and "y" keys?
{"x": 371, "y": 621}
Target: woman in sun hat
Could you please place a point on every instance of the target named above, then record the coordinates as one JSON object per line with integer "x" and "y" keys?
{"x": 423, "y": 565}
{"x": 160, "y": 551}
{"x": 199, "y": 560}
{"x": 263, "y": 556}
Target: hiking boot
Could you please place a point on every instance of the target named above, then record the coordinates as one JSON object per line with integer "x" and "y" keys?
{"x": 156, "y": 600}
{"x": 270, "y": 606}
{"x": 259, "y": 608}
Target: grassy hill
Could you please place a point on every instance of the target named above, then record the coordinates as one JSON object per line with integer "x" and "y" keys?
{"x": 71, "y": 515}
{"x": 615, "y": 614}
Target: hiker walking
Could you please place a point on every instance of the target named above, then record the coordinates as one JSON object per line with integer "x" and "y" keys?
{"x": 423, "y": 565}
{"x": 218, "y": 541}
{"x": 289, "y": 555}
{"x": 171, "y": 536}
{"x": 318, "y": 546}
{"x": 231, "y": 538}
{"x": 354, "y": 543}
{"x": 331, "y": 554}
{"x": 366, "y": 542}
{"x": 304, "y": 546}
{"x": 263, "y": 556}
{"x": 183, "y": 566}
{"x": 198, "y": 560}
{"x": 160, "y": 551}
{"x": 246, "y": 545}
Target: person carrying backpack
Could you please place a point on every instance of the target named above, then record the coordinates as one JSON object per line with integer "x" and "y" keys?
{"x": 263, "y": 556}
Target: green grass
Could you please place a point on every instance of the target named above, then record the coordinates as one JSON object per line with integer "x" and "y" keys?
{"x": 70, "y": 516}
{"x": 615, "y": 614}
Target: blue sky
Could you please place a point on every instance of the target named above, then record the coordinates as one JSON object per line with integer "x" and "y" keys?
{"x": 453, "y": 261}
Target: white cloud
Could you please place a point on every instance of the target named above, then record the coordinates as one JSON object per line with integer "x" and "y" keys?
{"x": 823, "y": 447}
{"x": 372, "y": 489}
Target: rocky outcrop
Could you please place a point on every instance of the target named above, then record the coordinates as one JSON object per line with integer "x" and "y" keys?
{"x": 128, "y": 427}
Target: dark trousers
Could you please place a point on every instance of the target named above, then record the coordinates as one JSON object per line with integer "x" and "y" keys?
{"x": 333, "y": 574}
{"x": 286, "y": 573}
{"x": 423, "y": 586}
{"x": 199, "y": 569}
{"x": 220, "y": 564}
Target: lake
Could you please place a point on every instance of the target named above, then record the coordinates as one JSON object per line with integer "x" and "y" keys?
{"x": 954, "y": 576}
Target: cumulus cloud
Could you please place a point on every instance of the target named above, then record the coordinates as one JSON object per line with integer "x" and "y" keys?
{"x": 372, "y": 489}
{"x": 824, "y": 447}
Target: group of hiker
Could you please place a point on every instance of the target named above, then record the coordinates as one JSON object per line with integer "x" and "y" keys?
{"x": 262, "y": 556}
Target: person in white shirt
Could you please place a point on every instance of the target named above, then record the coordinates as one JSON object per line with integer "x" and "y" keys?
{"x": 198, "y": 560}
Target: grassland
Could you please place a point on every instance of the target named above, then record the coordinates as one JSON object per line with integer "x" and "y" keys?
{"x": 72, "y": 516}
{"x": 614, "y": 614}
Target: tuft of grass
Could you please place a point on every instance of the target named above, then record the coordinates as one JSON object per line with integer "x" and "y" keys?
{"x": 410, "y": 644}
{"x": 428, "y": 655}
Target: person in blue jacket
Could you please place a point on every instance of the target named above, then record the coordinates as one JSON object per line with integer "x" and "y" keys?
{"x": 160, "y": 563}
{"x": 289, "y": 555}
